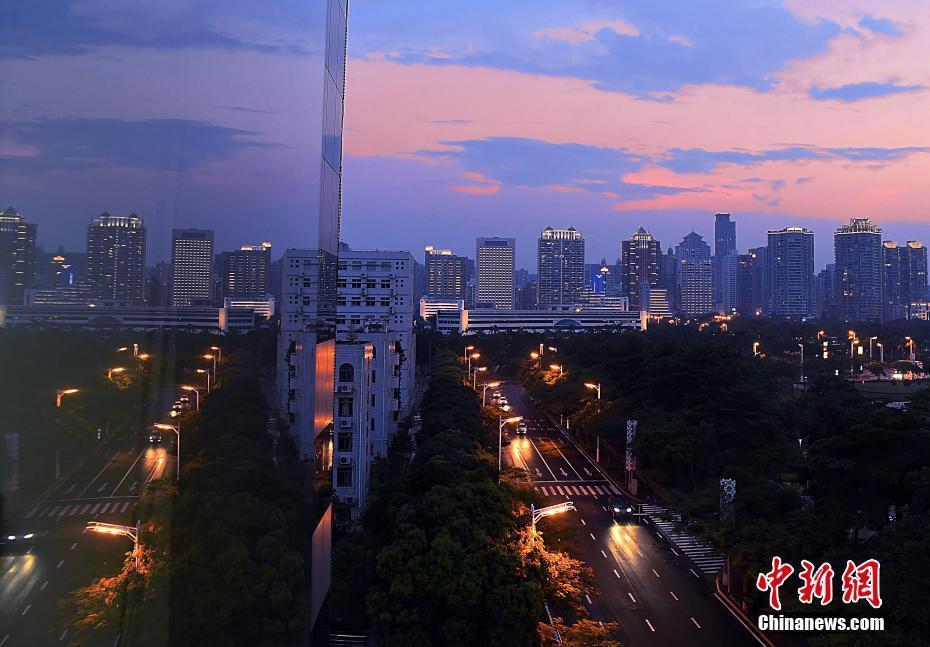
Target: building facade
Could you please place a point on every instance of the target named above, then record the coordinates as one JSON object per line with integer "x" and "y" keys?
{"x": 639, "y": 260}
{"x": 560, "y": 267}
{"x": 724, "y": 263}
{"x": 445, "y": 273}
{"x": 904, "y": 277}
{"x": 244, "y": 272}
{"x": 859, "y": 271}
{"x": 695, "y": 276}
{"x": 751, "y": 269}
{"x": 494, "y": 272}
{"x": 116, "y": 258}
{"x": 790, "y": 258}
{"x": 191, "y": 267}
{"x": 17, "y": 256}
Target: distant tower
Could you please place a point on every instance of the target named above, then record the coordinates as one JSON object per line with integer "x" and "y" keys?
{"x": 858, "y": 273}
{"x": 560, "y": 263}
{"x": 245, "y": 271}
{"x": 639, "y": 258}
{"x": 726, "y": 264}
{"x": 695, "y": 276}
{"x": 904, "y": 277}
{"x": 191, "y": 267}
{"x": 17, "y": 256}
{"x": 790, "y": 258}
{"x": 116, "y": 258}
{"x": 494, "y": 268}
{"x": 445, "y": 274}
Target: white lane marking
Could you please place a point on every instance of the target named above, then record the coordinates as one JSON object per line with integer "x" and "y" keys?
{"x": 567, "y": 462}
{"x": 44, "y": 584}
{"x": 133, "y": 486}
{"x": 96, "y": 507}
{"x": 558, "y": 489}
{"x": 116, "y": 642}
{"x": 604, "y": 554}
{"x": 126, "y": 506}
{"x": 592, "y": 536}
{"x": 588, "y": 598}
{"x": 672, "y": 593}
{"x": 629, "y": 594}
{"x": 68, "y": 491}
{"x": 62, "y": 636}
{"x": 128, "y": 472}
{"x": 100, "y": 489}
{"x": 695, "y": 623}
{"x": 54, "y": 510}
{"x": 618, "y": 577}
{"x": 583, "y": 523}
{"x": 85, "y": 509}
{"x": 32, "y": 512}
{"x": 74, "y": 545}
{"x": 676, "y": 552}
{"x": 544, "y": 490}
{"x": 563, "y": 472}
{"x": 26, "y": 610}
{"x": 656, "y": 573}
{"x": 597, "y": 488}
{"x": 566, "y": 497}
{"x": 587, "y": 471}
{"x": 5, "y": 638}
{"x": 651, "y": 628}
{"x": 102, "y": 470}
{"x": 543, "y": 460}
{"x": 694, "y": 574}
{"x": 104, "y": 508}
{"x": 60, "y": 563}
{"x": 640, "y": 552}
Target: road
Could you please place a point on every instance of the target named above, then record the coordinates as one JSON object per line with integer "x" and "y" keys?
{"x": 644, "y": 586}
{"x": 62, "y": 557}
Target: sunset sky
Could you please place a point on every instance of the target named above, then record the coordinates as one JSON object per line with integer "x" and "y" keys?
{"x": 476, "y": 118}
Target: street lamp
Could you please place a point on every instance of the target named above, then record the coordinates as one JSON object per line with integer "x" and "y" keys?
{"x": 219, "y": 352}
{"x": 853, "y": 342}
{"x": 557, "y": 367}
{"x": 470, "y": 358}
{"x": 59, "y": 394}
{"x": 122, "y": 349}
{"x": 910, "y": 342}
{"x": 537, "y": 514}
{"x": 115, "y": 369}
{"x": 143, "y": 356}
{"x": 187, "y": 387}
{"x": 177, "y": 463}
{"x": 122, "y": 531}
{"x": 801, "y": 346}
{"x": 756, "y": 347}
{"x": 553, "y": 349}
{"x": 596, "y": 387}
{"x": 467, "y": 348}
{"x": 206, "y": 372}
{"x": 474, "y": 377}
{"x": 484, "y": 391}
{"x": 881, "y": 354}
{"x": 503, "y": 422}
{"x": 871, "y": 341}
{"x": 213, "y": 357}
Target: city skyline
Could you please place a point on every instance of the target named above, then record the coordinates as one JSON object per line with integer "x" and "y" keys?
{"x": 810, "y": 144}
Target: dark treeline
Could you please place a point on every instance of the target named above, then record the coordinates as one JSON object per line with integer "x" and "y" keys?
{"x": 816, "y": 471}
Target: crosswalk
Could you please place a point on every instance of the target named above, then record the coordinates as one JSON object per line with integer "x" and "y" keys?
{"x": 576, "y": 490}
{"x": 703, "y": 555}
{"x": 79, "y": 509}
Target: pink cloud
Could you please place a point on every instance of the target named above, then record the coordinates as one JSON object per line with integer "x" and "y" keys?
{"x": 586, "y": 31}
{"x": 485, "y": 186}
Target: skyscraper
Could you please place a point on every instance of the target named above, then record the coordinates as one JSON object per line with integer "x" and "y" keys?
{"x": 824, "y": 286}
{"x": 725, "y": 263}
{"x": 695, "y": 276}
{"x": 17, "y": 256}
{"x": 639, "y": 259}
{"x": 191, "y": 267}
{"x": 790, "y": 258}
{"x": 494, "y": 268}
{"x": 668, "y": 277}
{"x": 445, "y": 274}
{"x": 116, "y": 258}
{"x": 751, "y": 282}
{"x": 244, "y": 272}
{"x": 858, "y": 274}
{"x": 306, "y": 340}
{"x": 560, "y": 263}
{"x": 904, "y": 277}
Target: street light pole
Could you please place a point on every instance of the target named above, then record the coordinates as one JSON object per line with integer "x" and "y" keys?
{"x": 206, "y": 372}
{"x": 871, "y": 341}
{"x": 59, "y": 394}
{"x": 196, "y": 391}
{"x": 123, "y": 531}
{"x": 538, "y": 513}
{"x": 177, "y": 463}
{"x": 474, "y": 380}
{"x": 801, "y": 346}
{"x": 596, "y": 387}
{"x": 484, "y": 391}
{"x": 502, "y": 422}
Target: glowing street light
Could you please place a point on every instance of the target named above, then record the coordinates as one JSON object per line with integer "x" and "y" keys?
{"x": 465, "y": 354}
{"x": 219, "y": 353}
{"x": 115, "y": 369}
{"x": 557, "y": 367}
{"x": 910, "y": 343}
{"x": 60, "y": 393}
{"x": 596, "y": 387}
{"x": 470, "y": 358}
{"x": 756, "y": 348}
{"x": 801, "y": 346}
{"x": 177, "y": 430}
{"x": 503, "y": 422}
{"x": 474, "y": 377}
{"x": 206, "y": 372}
{"x": 132, "y": 532}
{"x": 213, "y": 357}
{"x": 871, "y": 342}
{"x": 143, "y": 356}
{"x": 538, "y": 513}
{"x": 187, "y": 387}
{"x": 553, "y": 349}
{"x": 122, "y": 349}
{"x": 881, "y": 353}
{"x": 484, "y": 390}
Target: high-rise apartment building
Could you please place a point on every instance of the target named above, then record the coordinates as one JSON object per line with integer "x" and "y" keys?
{"x": 904, "y": 277}
{"x": 824, "y": 295}
{"x": 376, "y": 363}
{"x": 446, "y": 274}
{"x": 668, "y": 277}
{"x": 191, "y": 267}
{"x": 859, "y": 269}
{"x": 17, "y": 256}
{"x": 116, "y": 258}
{"x": 751, "y": 283}
{"x": 790, "y": 259}
{"x": 494, "y": 273}
{"x": 305, "y": 380}
{"x": 639, "y": 260}
{"x": 560, "y": 263}
{"x": 244, "y": 272}
{"x": 695, "y": 276}
{"x": 725, "y": 263}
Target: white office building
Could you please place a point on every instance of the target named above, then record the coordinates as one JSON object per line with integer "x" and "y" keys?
{"x": 494, "y": 267}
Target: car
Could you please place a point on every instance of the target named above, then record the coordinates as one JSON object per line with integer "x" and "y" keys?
{"x": 502, "y": 401}
{"x": 621, "y": 509}
{"x": 184, "y": 399}
{"x": 154, "y": 437}
{"x": 15, "y": 541}
{"x": 496, "y": 395}
{"x": 506, "y": 407}
{"x": 521, "y": 429}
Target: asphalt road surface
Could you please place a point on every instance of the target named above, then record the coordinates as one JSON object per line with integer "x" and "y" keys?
{"x": 642, "y": 585}
{"x": 61, "y": 557}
